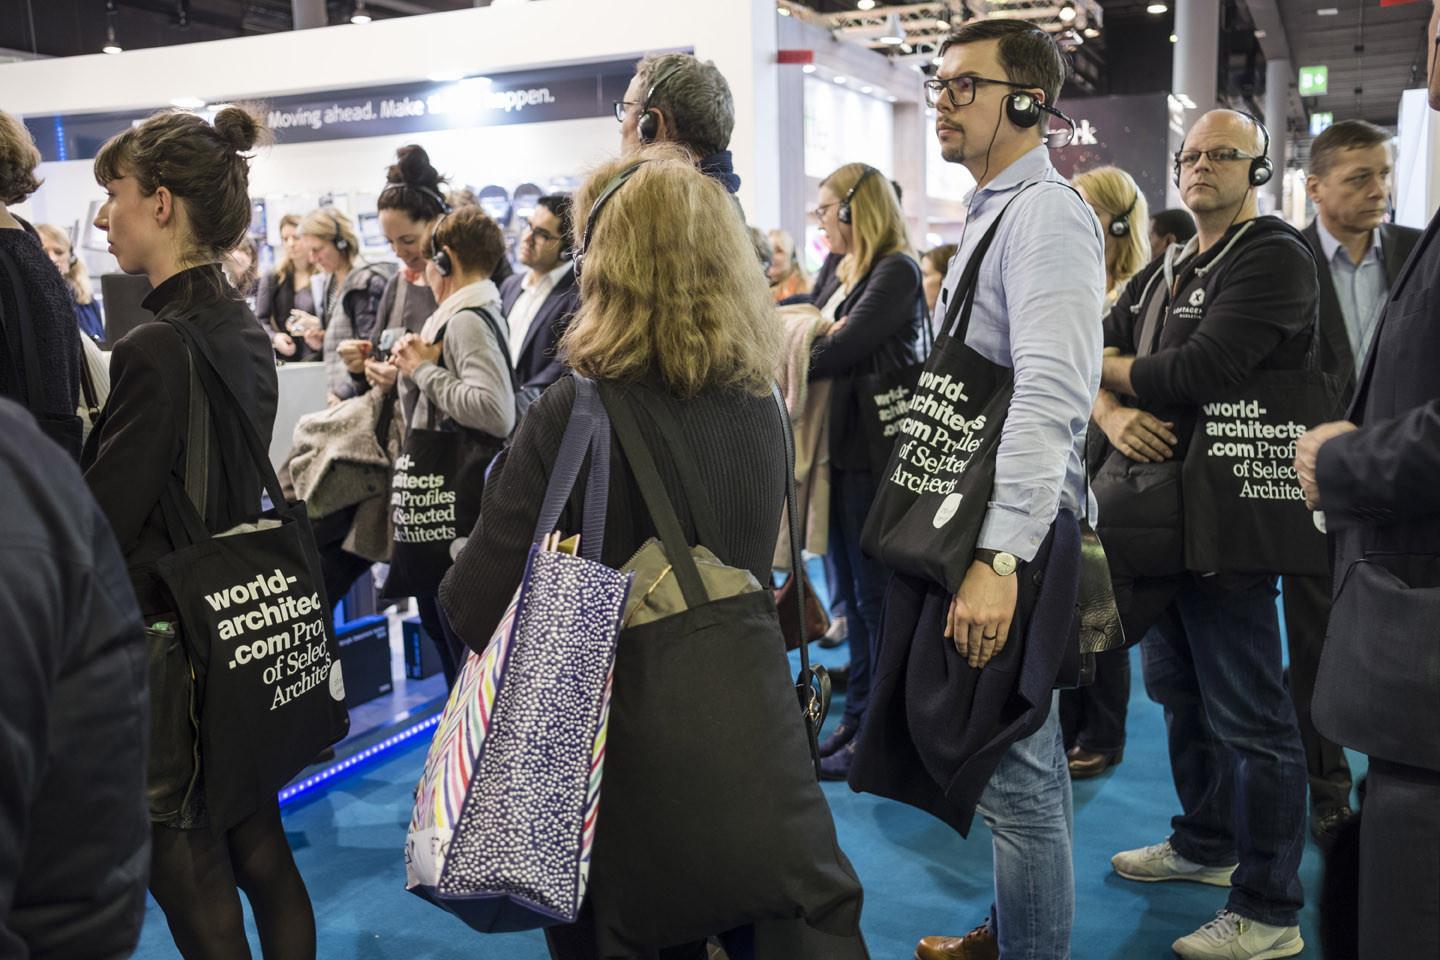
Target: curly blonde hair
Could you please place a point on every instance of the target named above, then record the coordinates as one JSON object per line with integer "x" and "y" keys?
{"x": 669, "y": 286}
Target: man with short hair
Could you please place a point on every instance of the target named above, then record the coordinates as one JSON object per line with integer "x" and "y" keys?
{"x": 1170, "y": 226}
{"x": 1238, "y": 298}
{"x": 1358, "y": 258}
{"x": 677, "y": 98}
{"x": 1037, "y": 299}
{"x": 540, "y": 304}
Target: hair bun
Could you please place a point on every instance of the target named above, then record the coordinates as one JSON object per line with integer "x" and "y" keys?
{"x": 239, "y": 128}
{"x": 412, "y": 165}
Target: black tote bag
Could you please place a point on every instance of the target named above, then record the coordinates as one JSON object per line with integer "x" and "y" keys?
{"x": 884, "y": 400}
{"x": 435, "y": 494}
{"x": 711, "y": 816}
{"x": 252, "y": 607}
{"x": 1244, "y": 511}
{"x": 932, "y": 497}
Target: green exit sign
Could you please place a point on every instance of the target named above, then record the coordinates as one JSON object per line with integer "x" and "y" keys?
{"x": 1314, "y": 81}
{"x": 1320, "y": 122}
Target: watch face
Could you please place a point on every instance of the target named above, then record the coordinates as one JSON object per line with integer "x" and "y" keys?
{"x": 1003, "y": 564}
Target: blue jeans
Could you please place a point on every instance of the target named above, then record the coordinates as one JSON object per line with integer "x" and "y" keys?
{"x": 1212, "y": 660}
{"x": 1028, "y": 807}
{"x": 860, "y": 583}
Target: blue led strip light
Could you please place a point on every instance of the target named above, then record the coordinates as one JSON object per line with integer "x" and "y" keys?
{"x": 369, "y": 753}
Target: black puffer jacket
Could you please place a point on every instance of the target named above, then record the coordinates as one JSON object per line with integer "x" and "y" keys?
{"x": 74, "y": 828}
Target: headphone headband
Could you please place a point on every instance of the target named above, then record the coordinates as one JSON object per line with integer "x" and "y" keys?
{"x": 648, "y": 125}
{"x": 616, "y": 182}
{"x": 430, "y": 192}
{"x": 438, "y": 254}
{"x": 1120, "y": 226}
{"x": 843, "y": 214}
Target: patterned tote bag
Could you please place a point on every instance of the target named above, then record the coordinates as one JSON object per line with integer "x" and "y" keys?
{"x": 504, "y": 817}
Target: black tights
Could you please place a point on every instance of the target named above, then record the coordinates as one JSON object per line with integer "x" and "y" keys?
{"x": 194, "y": 877}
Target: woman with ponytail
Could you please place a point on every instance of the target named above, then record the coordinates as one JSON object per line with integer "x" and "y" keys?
{"x": 176, "y": 203}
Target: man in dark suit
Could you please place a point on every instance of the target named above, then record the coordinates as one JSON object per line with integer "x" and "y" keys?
{"x": 1358, "y": 258}
{"x": 1374, "y": 476}
{"x": 540, "y": 303}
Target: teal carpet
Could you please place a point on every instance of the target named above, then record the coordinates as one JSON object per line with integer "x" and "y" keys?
{"x": 920, "y": 877}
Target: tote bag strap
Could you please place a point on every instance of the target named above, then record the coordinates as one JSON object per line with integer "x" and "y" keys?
{"x": 589, "y": 428}
{"x": 183, "y": 503}
{"x": 697, "y": 494}
{"x": 964, "y": 300}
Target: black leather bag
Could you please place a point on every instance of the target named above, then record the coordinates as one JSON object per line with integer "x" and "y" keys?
{"x": 1142, "y": 516}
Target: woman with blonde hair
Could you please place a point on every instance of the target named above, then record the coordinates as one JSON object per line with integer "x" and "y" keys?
{"x": 787, "y": 276}
{"x": 347, "y": 297}
{"x": 877, "y": 299}
{"x": 1124, "y": 219}
{"x": 285, "y": 291}
{"x": 61, "y": 252}
{"x": 674, "y": 313}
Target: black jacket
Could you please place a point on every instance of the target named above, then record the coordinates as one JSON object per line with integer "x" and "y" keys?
{"x": 882, "y": 313}
{"x": 538, "y": 364}
{"x": 50, "y": 323}
{"x": 1246, "y": 304}
{"x": 1378, "y": 485}
{"x": 273, "y": 302}
{"x": 140, "y": 439}
{"x": 74, "y": 828}
{"x": 1335, "y": 354}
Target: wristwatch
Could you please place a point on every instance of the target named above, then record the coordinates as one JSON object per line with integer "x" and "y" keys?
{"x": 998, "y": 560}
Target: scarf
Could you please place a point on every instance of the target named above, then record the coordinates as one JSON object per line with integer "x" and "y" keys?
{"x": 477, "y": 294}
{"x": 720, "y": 167}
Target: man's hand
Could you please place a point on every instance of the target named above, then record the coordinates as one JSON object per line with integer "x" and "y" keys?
{"x": 411, "y": 351}
{"x": 353, "y": 353}
{"x": 1140, "y": 436}
{"x": 980, "y": 614}
{"x": 380, "y": 375}
{"x": 1307, "y": 451}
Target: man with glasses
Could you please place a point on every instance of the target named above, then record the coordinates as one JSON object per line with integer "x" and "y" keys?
{"x": 1190, "y": 329}
{"x": 539, "y": 304}
{"x": 1038, "y": 301}
{"x": 677, "y": 98}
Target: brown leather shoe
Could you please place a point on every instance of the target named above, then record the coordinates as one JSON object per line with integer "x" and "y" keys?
{"x": 978, "y": 944}
{"x": 1084, "y": 764}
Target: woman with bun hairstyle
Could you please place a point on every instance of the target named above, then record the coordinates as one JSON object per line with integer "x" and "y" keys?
{"x": 348, "y": 297}
{"x": 176, "y": 203}
{"x": 286, "y": 290}
{"x": 82, "y": 292}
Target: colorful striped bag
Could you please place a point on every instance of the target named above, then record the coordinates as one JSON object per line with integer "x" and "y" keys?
{"x": 504, "y": 816}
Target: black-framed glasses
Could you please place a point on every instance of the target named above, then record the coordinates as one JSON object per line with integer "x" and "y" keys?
{"x": 540, "y": 233}
{"x": 1188, "y": 158}
{"x": 962, "y": 89}
{"x": 620, "y": 106}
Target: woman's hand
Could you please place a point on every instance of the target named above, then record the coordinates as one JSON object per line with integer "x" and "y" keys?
{"x": 353, "y": 354}
{"x": 411, "y": 351}
{"x": 315, "y": 339}
{"x": 381, "y": 375}
{"x": 300, "y": 322}
{"x": 284, "y": 345}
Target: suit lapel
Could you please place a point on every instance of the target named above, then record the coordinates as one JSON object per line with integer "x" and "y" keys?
{"x": 546, "y": 314}
{"x": 1332, "y": 321}
{"x": 1357, "y": 406}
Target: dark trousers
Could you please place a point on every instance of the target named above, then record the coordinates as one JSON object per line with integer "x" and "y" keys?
{"x": 1093, "y": 717}
{"x": 1212, "y": 660}
{"x": 1307, "y": 614}
{"x": 451, "y": 656}
{"x": 1400, "y": 863}
{"x": 859, "y": 582}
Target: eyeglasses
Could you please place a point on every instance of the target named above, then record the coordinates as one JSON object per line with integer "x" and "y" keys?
{"x": 1188, "y": 158}
{"x": 620, "y": 106}
{"x": 961, "y": 89}
{"x": 539, "y": 233}
{"x": 819, "y": 212}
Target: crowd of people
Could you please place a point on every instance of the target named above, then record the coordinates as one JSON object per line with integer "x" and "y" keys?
{"x": 1104, "y": 339}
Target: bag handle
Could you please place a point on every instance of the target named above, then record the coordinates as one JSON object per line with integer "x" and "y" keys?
{"x": 589, "y": 427}
{"x": 965, "y": 289}
{"x": 697, "y": 495}
{"x": 183, "y": 506}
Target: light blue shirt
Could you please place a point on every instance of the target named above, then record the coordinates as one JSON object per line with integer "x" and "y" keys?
{"x": 1362, "y": 288}
{"x": 1038, "y": 309}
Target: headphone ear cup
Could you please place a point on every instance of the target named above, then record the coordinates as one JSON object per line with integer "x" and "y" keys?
{"x": 649, "y": 126}
{"x": 1023, "y": 109}
{"x": 843, "y": 214}
{"x": 1261, "y": 170}
{"x": 442, "y": 262}
{"x": 1176, "y": 178}
{"x": 1120, "y": 227}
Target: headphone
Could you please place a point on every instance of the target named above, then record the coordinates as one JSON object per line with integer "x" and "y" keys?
{"x": 422, "y": 189}
{"x": 1120, "y": 226}
{"x": 567, "y": 249}
{"x": 843, "y": 214}
{"x": 339, "y": 239}
{"x": 649, "y": 125}
{"x": 616, "y": 182}
{"x": 1262, "y": 168}
{"x": 440, "y": 257}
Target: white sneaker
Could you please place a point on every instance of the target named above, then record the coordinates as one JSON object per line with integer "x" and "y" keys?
{"x": 1161, "y": 862}
{"x": 1233, "y": 937}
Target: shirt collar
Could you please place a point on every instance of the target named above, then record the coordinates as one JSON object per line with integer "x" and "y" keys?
{"x": 550, "y": 279}
{"x": 1026, "y": 167}
{"x": 1329, "y": 244}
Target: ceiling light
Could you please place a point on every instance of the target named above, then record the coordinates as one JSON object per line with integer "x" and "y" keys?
{"x": 361, "y": 15}
{"x": 1091, "y": 32}
{"x": 188, "y": 103}
{"x": 1067, "y": 12}
{"x": 942, "y": 24}
{"x": 808, "y": 68}
{"x": 839, "y": 79}
{"x": 866, "y": 4}
{"x": 784, "y": 11}
{"x": 1327, "y": 11}
{"x": 937, "y": 60}
{"x": 111, "y": 46}
{"x": 1157, "y": 8}
{"x": 1259, "y": 34}
{"x": 1172, "y": 38}
{"x": 892, "y": 98}
{"x": 906, "y": 48}
{"x": 894, "y": 32}
{"x": 866, "y": 89}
